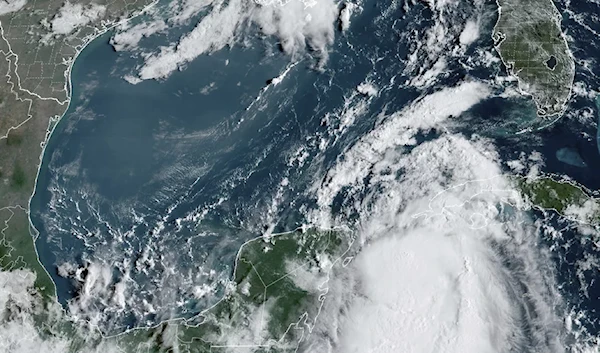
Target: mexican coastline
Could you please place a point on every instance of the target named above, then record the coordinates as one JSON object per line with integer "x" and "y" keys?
{"x": 110, "y": 133}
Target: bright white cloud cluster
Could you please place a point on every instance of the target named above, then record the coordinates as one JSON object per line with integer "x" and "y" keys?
{"x": 72, "y": 16}
{"x": 18, "y": 331}
{"x": 129, "y": 39}
{"x": 470, "y": 33}
{"x": 398, "y": 130}
{"x": 158, "y": 19}
{"x": 430, "y": 277}
{"x": 212, "y": 33}
{"x": 296, "y": 23}
{"x": 430, "y": 290}
{"x": 345, "y": 15}
{"x": 585, "y": 212}
{"x": 367, "y": 89}
{"x": 96, "y": 284}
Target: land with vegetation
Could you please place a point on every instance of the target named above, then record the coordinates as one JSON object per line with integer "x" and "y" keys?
{"x": 530, "y": 41}
{"x": 563, "y": 196}
{"x": 39, "y": 41}
{"x": 271, "y": 304}
{"x": 279, "y": 282}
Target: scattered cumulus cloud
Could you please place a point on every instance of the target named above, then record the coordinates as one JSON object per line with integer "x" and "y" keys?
{"x": 95, "y": 282}
{"x": 18, "y": 331}
{"x": 367, "y": 89}
{"x": 213, "y": 32}
{"x": 440, "y": 219}
{"x": 298, "y": 23}
{"x": 406, "y": 227}
{"x": 585, "y": 212}
{"x": 448, "y": 37}
{"x": 581, "y": 89}
{"x": 183, "y": 11}
{"x": 436, "y": 209}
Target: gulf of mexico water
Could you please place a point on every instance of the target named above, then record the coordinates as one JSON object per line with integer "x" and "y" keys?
{"x": 147, "y": 191}
{"x": 130, "y": 171}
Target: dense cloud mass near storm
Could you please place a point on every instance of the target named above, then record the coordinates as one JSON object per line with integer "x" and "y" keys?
{"x": 449, "y": 262}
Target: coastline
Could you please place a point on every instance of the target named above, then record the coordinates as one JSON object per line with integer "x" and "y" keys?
{"x": 498, "y": 40}
{"x": 54, "y": 121}
{"x": 343, "y": 258}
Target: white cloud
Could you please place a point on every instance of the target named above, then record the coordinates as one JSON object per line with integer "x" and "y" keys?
{"x": 129, "y": 38}
{"x": 527, "y": 164}
{"x": 181, "y": 11}
{"x": 586, "y": 212}
{"x": 367, "y": 89}
{"x": 345, "y": 15}
{"x": 212, "y": 33}
{"x": 398, "y": 130}
{"x": 448, "y": 37}
{"x": 430, "y": 76}
{"x": 296, "y": 23}
{"x": 581, "y": 89}
{"x": 96, "y": 288}
{"x": 21, "y": 330}
{"x": 134, "y": 80}
{"x": 430, "y": 278}
{"x": 444, "y": 267}
{"x": 18, "y": 331}
{"x": 430, "y": 290}
{"x": 308, "y": 278}
{"x": 470, "y": 33}
{"x": 8, "y": 6}
{"x": 73, "y": 16}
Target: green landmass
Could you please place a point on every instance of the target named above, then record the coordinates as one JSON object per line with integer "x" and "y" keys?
{"x": 563, "y": 196}
{"x": 276, "y": 279}
{"x": 18, "y": 251}
{"x": 277, "y": 288}
{"x": 35, "y": 61}
{"x": 265, "y": 307}
{"x": 530, "y": 41}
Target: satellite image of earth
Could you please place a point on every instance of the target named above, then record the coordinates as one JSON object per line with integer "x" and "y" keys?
{"x": 319, "y": 176}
